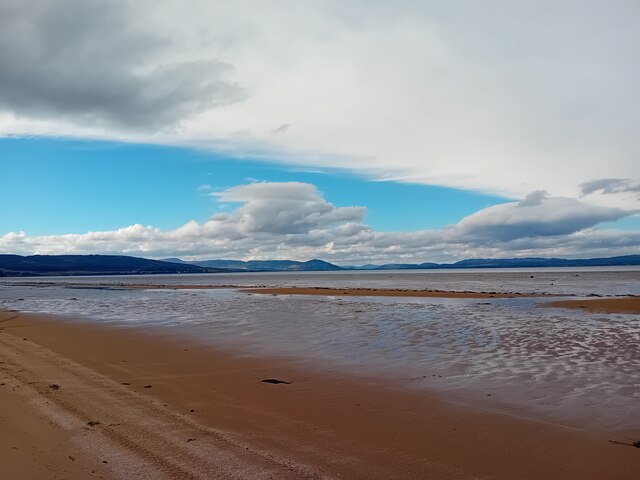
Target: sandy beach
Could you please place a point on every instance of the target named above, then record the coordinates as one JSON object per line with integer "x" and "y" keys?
{"x": 80, "y": 400}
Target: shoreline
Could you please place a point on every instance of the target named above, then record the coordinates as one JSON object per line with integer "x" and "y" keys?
{"x": 320, "y": 425}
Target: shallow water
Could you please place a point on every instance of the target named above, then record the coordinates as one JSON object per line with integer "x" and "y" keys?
{"x": 566, "y": 366}
{"x": 562, "y": 281}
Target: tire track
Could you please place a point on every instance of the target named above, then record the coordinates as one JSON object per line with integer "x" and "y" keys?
{"x": 135, "y": 432}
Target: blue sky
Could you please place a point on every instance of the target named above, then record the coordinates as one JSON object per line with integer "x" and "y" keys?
{"x": 503, "y": 131}
{"x": 66, "y": 186}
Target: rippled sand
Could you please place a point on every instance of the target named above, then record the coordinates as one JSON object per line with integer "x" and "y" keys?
{"x": 506, "y": 354}
{"x": 81, "y": 400}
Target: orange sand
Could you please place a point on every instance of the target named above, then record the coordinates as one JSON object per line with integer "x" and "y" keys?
{"x": 605, "y": 305}
{"x": 81, "y": 400}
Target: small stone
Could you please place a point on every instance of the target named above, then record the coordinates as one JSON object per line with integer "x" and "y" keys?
{"x": 275, "y": 381}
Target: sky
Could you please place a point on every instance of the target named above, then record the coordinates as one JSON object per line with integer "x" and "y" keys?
{"x": 355, "y": 132}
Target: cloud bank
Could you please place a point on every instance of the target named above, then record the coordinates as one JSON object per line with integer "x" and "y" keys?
{"x": 499, "y": 96}
{"x": 292, "y": 220}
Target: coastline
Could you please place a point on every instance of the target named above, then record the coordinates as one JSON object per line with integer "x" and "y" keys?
{"x": 320, "y": 425}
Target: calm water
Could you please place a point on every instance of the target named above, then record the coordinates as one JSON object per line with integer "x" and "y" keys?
{"x": 572, "y": 367}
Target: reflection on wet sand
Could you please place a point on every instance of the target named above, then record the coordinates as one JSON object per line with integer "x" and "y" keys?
{"x": 387, "y": 292}
{"x": 483, "y": 346}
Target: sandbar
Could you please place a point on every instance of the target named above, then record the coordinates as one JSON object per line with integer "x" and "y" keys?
{"x": 380, "y": 292}
{"x": 602, "y": 305}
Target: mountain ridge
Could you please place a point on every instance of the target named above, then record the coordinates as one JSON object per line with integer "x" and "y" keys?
{"x": 314, "y": 265}
{"x": 525, "y": 262}
{"x": 39, "y": 265}
{"x": 321, "y": 265}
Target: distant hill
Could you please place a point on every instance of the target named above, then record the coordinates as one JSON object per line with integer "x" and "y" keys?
{"x": 409, "y": 266}
{"x": 518, "y": 263}
{"x": 17, "y": 265}
{"x": 320, "y": 265}
{"x": 265, "y": 265}
{"x": 368, "y": 266}
{"x": 33, "y": 265}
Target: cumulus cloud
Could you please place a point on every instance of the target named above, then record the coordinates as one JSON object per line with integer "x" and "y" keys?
{"x": 91, "y": 61}
{"x": 282, "y": 208}
{"x": 500, "y": 96}
{"x": 292, "y": 220}
{"x": 535, "y": 216}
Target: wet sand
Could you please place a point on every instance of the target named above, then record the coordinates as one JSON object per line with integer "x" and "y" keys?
{"x": 604, "y": 305}
{"x": 377, "y": 292}
{"x": 81, "y": 400}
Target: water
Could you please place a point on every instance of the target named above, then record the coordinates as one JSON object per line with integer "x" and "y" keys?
{"x": 563, "y": 281}
{"x": 567, "y": 366}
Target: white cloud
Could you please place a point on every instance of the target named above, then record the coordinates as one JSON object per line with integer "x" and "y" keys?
{"x": 498, "y": 96}
{"x": 535, "y": 216}
{"x": 282, "y": 208}
{"x": 292, "y": 220}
